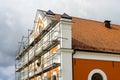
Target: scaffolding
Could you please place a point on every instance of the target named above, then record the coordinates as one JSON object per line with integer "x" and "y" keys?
{"x": 30, "y": 62}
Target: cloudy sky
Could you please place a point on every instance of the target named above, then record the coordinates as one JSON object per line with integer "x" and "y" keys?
{"x": 17, "y": 16}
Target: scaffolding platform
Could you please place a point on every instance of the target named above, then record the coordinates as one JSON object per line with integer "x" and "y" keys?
{"x": 46, "y": 69}
{"x": 48, "y": 48}
{"x": 41, "y": 35}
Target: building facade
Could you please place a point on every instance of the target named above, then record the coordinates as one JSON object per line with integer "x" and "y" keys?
{"x": 61, "y": 47}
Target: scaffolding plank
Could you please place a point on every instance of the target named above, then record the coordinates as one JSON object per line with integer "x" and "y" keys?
{"x": 48, "y": 48}
{"x": 46, "y": 69}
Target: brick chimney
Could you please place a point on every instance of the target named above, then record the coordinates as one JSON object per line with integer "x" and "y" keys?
{"x": 107, "y": 24}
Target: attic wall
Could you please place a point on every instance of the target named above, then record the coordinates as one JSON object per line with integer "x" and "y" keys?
{"x": 82, "y": 68}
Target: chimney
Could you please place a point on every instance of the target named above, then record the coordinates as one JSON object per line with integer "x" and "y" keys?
{"x": 107, "y": 24}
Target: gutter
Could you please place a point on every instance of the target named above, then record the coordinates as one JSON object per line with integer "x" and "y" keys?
{"x": 74, "y": 51}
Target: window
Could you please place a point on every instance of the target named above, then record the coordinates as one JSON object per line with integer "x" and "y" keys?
{"x": 54, "y": 77}
{"x": 45, "y": 78}
{"x": 40, "y": 29}
{"x": 97, "y": 76}
{"x": 39, "y": 62}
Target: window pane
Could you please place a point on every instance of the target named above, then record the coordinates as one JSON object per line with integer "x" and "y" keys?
{"x": 97, "y": 76}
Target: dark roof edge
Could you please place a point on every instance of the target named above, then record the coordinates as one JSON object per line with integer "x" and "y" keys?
{"x": 96, "y": 51}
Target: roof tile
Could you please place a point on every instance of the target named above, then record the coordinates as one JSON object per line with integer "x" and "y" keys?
{"x": 93, "y": 35}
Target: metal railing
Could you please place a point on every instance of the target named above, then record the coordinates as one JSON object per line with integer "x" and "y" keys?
{"x": 45, "y": 50}
{"x": 50, "y": 62}
{"x": 40, "y": 36}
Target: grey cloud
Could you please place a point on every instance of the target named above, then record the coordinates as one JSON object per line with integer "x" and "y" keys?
{"x": 17, "y": 16}
{"x": 103, "y": 9}
{"x": 7, "y": 73}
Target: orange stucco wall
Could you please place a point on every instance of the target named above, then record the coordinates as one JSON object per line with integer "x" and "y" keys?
{"x": 82, "y": 68}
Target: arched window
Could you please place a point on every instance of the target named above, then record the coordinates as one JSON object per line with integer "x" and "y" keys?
{"x": 40, "y": 28}
{"x": 39, "y": 62}
{"x": 54, "y": 77}
{"x": 97, "y": 76}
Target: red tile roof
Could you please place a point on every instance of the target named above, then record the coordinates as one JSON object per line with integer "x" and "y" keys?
{"x": 94, "y": 36}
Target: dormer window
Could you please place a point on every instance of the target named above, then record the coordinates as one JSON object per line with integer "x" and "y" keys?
{"x": 54, "y": 77}
{"x": 107, "y": 24}
{"x": 39, "y": 63}
{"x": 40, "y": 28}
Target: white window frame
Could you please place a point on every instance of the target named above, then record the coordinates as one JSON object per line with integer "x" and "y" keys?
{"x": 97, "y": 71}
